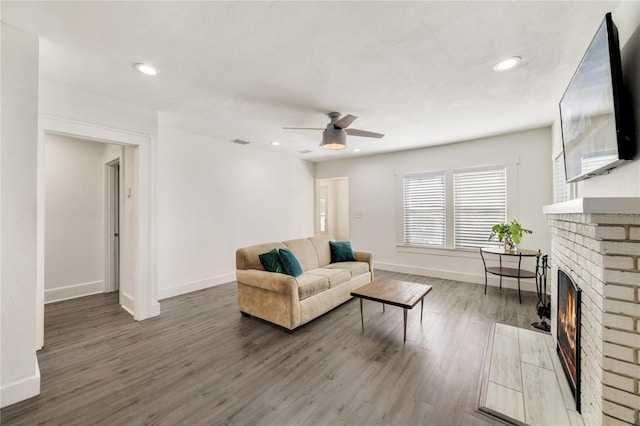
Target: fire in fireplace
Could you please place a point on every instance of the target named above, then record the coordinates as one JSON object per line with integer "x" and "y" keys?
{"x": 569, "y": 331}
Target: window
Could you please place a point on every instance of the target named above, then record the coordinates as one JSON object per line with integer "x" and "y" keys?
{"x": 560, "y": 185}
{"x": 424, "y": 209}
{"x": 479, "y": 202}
{"x": 322, "y": 208}
{"x": 455, "y": 208}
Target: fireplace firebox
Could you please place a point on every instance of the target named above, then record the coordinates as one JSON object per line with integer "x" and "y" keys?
{"x": 569, "y": 305}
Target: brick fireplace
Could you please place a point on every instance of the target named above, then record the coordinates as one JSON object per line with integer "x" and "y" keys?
{"x": 597, "y": 242}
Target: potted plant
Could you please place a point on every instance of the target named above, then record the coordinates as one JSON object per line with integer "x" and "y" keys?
{"x": 511, "y": 233}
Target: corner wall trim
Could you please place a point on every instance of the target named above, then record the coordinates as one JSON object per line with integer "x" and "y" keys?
{"x": 155, "y": 309}
{"x": 21, "y": 390}
{"x": 165, "y": 293}
{"x": 72, "y": 291}
{"x": 128, "y": 303}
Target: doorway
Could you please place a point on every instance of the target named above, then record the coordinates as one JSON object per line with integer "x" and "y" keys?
{"x": 332, "y": 208}
{"x": 140, "y": 255}
{"x": 114, "y": 210}
{"x": 114, "y": 236}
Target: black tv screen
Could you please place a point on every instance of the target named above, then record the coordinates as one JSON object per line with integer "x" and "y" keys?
{"x": 593, "y": 116}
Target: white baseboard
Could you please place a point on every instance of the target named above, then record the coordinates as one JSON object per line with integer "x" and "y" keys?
{"x": 155, "y": 309}
{"x": 72, "y": 291}
{"x": 493, "y": 281}
{"x": 165, "y": 293}
{"x": 127, "y": 303}
{"x": 21, "y": 390}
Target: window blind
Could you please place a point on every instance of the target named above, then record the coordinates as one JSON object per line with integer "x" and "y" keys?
{"x": 424, "y": 209}
{"x": 560, "y": 185}
{"x": 479, "y": 202}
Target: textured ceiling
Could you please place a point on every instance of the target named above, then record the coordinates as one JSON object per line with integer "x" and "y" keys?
{"x": 419, "y": 72}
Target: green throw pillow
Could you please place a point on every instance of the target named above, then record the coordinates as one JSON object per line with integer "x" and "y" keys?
{"x": 290, "y": 263}
{"x": 271, "y": 261}
{"x": 341, "y": 251}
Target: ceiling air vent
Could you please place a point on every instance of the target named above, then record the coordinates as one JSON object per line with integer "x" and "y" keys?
{"x": 241, "y": 142}
{"x": 304, "y": 151}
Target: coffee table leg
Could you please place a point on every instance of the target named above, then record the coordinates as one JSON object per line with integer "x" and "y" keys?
{"x": 405, "y": 324}
{"x": 361, "y": 315}
{"x": 421, "y": 309}
{"x": 383, "y": 307}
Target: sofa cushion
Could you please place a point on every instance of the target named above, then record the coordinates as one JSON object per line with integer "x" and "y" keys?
{"x": 271, "y": 261}
{"x": 305, "y": 252}
{"x": 290, "y": 264}
{"x": 321, "y": 244}
{"x": 356, "y": 268}
{"x": 334, "y": 275}
{"x": 309, "y": 284}
{"x": 341, "y": 251}
{"x": 247, "y": 257}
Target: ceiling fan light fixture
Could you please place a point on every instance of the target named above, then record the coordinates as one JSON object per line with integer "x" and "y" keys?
{"x": 334, "y": 138}
{"x": 333, "y": 146}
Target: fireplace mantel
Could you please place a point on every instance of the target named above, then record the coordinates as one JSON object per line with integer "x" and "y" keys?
{"x": 604, "y": 205}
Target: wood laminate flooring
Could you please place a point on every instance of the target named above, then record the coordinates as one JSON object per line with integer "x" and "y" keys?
{"x": 200, "y": 362}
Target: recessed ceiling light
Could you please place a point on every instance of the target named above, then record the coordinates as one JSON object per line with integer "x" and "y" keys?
{"x": 145, "y": 69}
{"x": 275, "y": 143}
{"x": 356, "y": 149}
{"x": 507, "y": 64}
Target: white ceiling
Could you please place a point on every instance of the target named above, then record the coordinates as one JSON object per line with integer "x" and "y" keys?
{"x": 419, "y": 72}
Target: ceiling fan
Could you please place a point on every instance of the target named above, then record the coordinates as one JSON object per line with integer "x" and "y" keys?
{"x": 334, "y": 136}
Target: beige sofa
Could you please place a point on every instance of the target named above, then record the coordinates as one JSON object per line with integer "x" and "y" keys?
{"x": 291, "y": 302}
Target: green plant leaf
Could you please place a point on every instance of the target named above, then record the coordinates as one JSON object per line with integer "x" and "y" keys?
{"x": 511, "y": 230}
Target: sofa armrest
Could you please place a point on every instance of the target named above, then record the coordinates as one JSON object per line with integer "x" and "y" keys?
{"x": 365, "y": 256}
{"x": 270, "y": 281}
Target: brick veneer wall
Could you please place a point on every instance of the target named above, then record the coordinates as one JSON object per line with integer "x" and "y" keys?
{"x": 601, "y": 254}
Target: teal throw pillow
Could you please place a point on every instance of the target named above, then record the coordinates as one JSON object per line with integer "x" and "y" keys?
{"x": 271, "y": 261}
{"x": 290, "y": 263}
{"x": 341, "y": 251}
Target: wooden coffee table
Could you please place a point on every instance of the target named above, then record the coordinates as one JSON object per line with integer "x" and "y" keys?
{"x": 392, "y": 292}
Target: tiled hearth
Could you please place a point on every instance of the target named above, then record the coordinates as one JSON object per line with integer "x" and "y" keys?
{"x": 523, "y": 381}
{"x": 597, "y": 242}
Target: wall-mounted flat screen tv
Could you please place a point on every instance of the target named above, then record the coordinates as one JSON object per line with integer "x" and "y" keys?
{"x": 596, "y": 122}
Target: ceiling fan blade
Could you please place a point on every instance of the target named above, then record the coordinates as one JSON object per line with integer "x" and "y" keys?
{"x": 303, "y": 128}
{"x": 345, "y": 121}
{"x": 363, "y": 133}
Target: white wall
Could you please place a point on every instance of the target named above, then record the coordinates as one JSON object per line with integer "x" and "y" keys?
{"x": 373, "y": 198}
{"x": 623, "y": 181}
{"x": 215, "y": 197}
{"x": 19, "y": 374}
{"x": 62, "y": 100}
{"x": 74, "y": 217}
